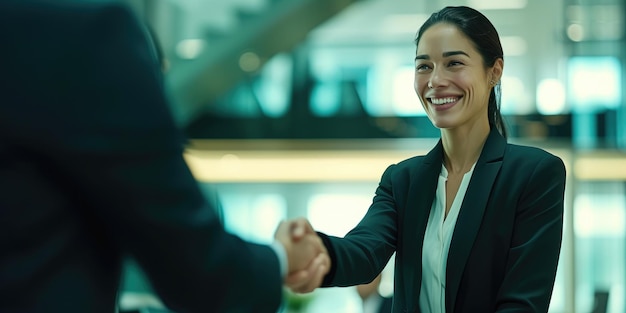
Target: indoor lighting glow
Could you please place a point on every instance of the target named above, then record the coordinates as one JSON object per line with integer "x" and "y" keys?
{"x": 403, "y": 23}
{"x": 292, "y": 166}
{"x": 515, "y": 99}
{"x": 336, "y": 214}
{"x": 599, "y": 216}
{"x": 497, "y": 4}
{"x": 249, "y": 62}
{"x": 550, "y": 97}
{"x": 594, "y": 82}
{"x": 576, "y": 32}
{"x": 403, "y": 98}
{"x": 601, "y": 167}
{"x": 253, "y": 217}
{"x": 513, "y": 45}
{"x": 190, "y": 48}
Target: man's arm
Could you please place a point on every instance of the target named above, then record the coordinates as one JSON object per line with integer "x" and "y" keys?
{"x": 107, "y": 131}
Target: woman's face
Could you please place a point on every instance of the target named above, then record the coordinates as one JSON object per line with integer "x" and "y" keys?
{"x": 451, "y": 80}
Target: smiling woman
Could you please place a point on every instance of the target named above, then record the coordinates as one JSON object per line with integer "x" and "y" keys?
{"x": 476, "y": 223}
{"x": 451, "y": 81}
{"x": 457, "y": 63}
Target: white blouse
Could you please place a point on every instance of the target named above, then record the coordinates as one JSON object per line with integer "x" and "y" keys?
{"x": 437, "y": 243}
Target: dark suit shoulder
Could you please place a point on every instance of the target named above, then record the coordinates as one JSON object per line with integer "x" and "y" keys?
{"x": 526, "y": 161}
{"x": 65, "y": 29}
{"x": 60, "y": 26}
{"x": 59, "y": 10}
{"x": 522, "y": 153}
{"x": 401, "y": 170}
{"x": 411, "y": 162}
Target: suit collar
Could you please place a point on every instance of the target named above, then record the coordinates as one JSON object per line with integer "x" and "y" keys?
{"x": 472, "y": 211}
{"x": 435, "y": 155}
{"x": 422, "y": 188}
{"x": 421, "y": 192}
{"x": 494, "y": 147}
{"x": 492, "y": 150}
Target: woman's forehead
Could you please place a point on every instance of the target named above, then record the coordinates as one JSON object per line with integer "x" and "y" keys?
{"x": 443, "y": 37}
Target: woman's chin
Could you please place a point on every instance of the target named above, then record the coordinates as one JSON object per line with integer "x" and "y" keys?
{"x": 441, "y": 124}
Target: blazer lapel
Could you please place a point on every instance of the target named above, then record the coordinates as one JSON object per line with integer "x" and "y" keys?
{"x": 421, "y": 193}
{"x": 471, "y": 214}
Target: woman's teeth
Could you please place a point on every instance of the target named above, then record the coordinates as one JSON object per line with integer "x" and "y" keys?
{"x": 439, "y": 101}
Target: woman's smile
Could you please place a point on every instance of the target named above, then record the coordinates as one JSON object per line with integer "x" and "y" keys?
{"x": 443, "y": 103}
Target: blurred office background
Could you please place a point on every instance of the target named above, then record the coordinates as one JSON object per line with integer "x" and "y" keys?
{"x": 295, "y": 108}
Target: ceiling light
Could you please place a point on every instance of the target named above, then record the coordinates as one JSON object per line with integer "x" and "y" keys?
{"x": 497, "y": 4}
{"x": 576, "y": 32}
{"x": 190, "y": 48}
{"x": 403, "y": 23}
{"x": 513, "y": 45}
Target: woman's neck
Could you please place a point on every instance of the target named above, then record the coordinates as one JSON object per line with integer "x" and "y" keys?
{"x": 462, "y": 147}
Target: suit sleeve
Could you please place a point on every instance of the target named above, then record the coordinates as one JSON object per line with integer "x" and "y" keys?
{"x": 365, "y": 250}
{"x": 536, "y": 243}
{"x": 111, "y": 136}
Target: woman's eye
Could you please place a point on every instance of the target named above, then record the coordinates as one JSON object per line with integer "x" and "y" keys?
{"x": 454, "y": 63}
{"x": 422, "y": 67}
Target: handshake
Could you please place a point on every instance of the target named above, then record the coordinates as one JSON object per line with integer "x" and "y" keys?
{"x": 308, "y": 259}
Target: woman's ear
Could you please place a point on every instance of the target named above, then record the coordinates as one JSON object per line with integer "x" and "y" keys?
{"x": 496, "y": 70}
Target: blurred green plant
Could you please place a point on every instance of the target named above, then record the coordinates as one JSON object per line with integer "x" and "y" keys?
{"x": 296, "y": 302}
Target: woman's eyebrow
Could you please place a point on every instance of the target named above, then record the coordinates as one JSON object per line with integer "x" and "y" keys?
{"x": 445, "y": 55}
{"x": 451, "y": 53}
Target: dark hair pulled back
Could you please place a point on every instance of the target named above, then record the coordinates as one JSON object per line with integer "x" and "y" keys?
{"x": 483, "y": 34}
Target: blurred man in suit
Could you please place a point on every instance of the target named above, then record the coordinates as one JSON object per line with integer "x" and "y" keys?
{"x": 92, "y": 171}
{"x": 373, "y": 301}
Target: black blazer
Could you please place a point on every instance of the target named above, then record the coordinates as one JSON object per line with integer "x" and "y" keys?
{"x": 92, "y": 170}
{"x": 505, "y": 247}
{"x": 385, "y": 305}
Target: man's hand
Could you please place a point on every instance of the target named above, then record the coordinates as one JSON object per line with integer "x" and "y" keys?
{"x": 301, "y": 243}
{"x": 310, "y": 278}
{"x": 307, "y": 256}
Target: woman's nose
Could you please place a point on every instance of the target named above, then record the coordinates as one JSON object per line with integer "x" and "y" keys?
{"x": 436, "y": 79}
